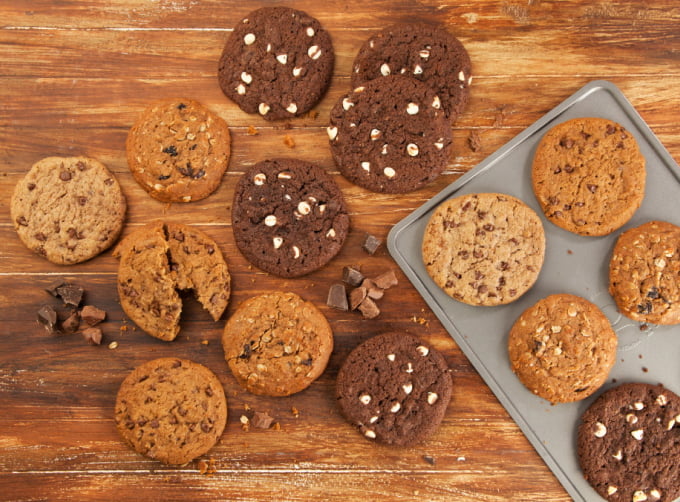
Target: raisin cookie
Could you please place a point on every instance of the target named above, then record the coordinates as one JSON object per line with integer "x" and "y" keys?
{"x": 178, "y": 150}
{"x": 428, "y": 53}
{"x": 277, "y": 62}
{"x": 160, "y": 260}
{"x": 172, "y": 410}
{"x": 277, "y": 344}
{"x": 289, "y": 217}
{"x": 484, "y": 249}
{"x": 562, "y": 348}
{"x": 629, "y": 443}
{"x": 644, "y": 273}
{"x": 68, "y": 209}
{"x": 588, "y": 175}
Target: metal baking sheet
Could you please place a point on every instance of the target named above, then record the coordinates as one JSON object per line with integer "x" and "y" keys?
{"x": 573, "y": 264}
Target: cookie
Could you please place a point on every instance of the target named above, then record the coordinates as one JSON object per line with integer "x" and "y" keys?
{"x": 629, "y": 443}
{"x": 484, "y": 249}
{"x": 425, "y": 52}
{"x": 160, "y": 260}
{"x": 68, "y": 209}
{"x": 170, "y": 409}
{"x": 288, "y": 216}
{"x": 277, "y": 62}
{"x": 390, "y": 135}
{"x": 394, "y": 388}
{"x": 562, "y": 348}
{"x": 178, "y": 150}
{"x": 588, "y": 175}
{"x": 277, "y": 344}
{"x": 644, "y": 273}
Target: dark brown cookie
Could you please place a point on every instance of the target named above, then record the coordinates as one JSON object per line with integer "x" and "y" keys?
{"x": 277, "y": 62}
{"x": 562, "y": 348}
{"x": 644, "y": 273}
{"x": 394, "y": 388}
{"x": 178, "y": 150}
{"x": 289, "y": 217}
{"x": 172, "y": 410}
{"x": 390, "y": 135}
{"x": 588, "y": 175}
{"x": 425, "y": 52}
{"x": 629, "y": 444}
{"x": 277, "y": 344}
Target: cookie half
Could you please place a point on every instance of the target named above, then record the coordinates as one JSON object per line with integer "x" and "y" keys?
{"x": 562, "y": 348}
{"x": 484, "y": 249}
{"x": 277, "y": 344}
{"x": 277, "y": 62}
{"x": 629, "y": 443}
{"x": 289, "y": 217}
{"x": 588, "y": 175}
{"x": 178, "y": 150}
{"x": 172, "y": 410}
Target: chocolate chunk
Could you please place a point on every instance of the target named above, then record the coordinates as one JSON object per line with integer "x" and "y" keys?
{"x": 92, "y": 315}
{"x": 261, "y": 420}
{"x": 71, "y": 294}
{"x": 371, "y": 244}
{"x": 53, "y": 286}
{"x": 356, "y": 296}
{"x": 369, "y": 309}
{"x": 71, "y": 323}
{"x": 337, "y": 297}
{"x": 386, "y": 280}
{"x": 92, "y": 335}
{"x": 47, "y": 316}
{"x": 352, "y": 276}
{"x": 372, "y": 291}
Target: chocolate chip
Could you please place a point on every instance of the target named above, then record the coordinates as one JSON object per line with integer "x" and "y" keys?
{"x": 371, "y": 244}
{"x": 40, "y": 236}
{"x": 568, "y": 169}
{"x": 82, "y": 200}
{"x": 488, "y": 227}
{"x": 247, "y": 350}
{"x": 557, "y": 170}
{"x": 65, "y": 176}
{"x": 31, "y": 187}
{"x": 429, "y": 459}
{"x": 337, "y": 297}
{"x": 206, "y": 427}
{"x": 567, "y": 142}
{"x": 610, "y": 129}
{"x": 352, "y": 276}
{"x": 163, "y": 177}
{"x": 21, "y": 220}
{"x": 155, "y": 424}
{"x": 181, "y": 106}
{"x": 592, "y": 188}
{"x": 92, "y": 315}
{"x": 171, "y": 150}
{"x": 92, "y": 335}
{"x": 209, "y": 392}
{"x": 653, "y": 293}
{"x": 645, "y": 308}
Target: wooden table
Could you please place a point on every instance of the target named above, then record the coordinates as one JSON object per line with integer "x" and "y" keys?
{"x": 75, "y": 74}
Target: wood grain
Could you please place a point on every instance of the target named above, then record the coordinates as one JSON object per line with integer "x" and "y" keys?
{"x": 74, "y": 75}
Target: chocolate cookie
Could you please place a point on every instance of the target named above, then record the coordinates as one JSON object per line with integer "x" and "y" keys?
{"x": 68, "y": 209}
{"x": 161, "y": 259}
{"x": 390, "y": 135}
{"x": 629, "y": 443}
{"x": 484, "y": 249}
{"x": 170, "y": 409}
{"x": 277, "y": 62}
{"x": 644, "y": 273}
{"x": 562, "y": 348}
{"x": 428, "y": 53}
{"x": 394, "y": 388}
{"x": 277, "y": 344}
{"x": 588, "y": 175}
{"x": 178, "y": 150}
{"x": 289, "y": 217}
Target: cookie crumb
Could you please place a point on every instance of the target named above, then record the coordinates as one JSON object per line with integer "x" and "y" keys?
{"x": 245, "y": 423}
{"x": 262, "y": 420}
{"x": 205, "y": 342}
{"x": 252, "y": 131}
{"x": 313, "y": 114}
{"x": 289, "y": 141}
{"x": 113, "y": 345}
{"x": 295, "y": 412}
{"x": 475, "y": 141}
{"x": 429, "y": 459}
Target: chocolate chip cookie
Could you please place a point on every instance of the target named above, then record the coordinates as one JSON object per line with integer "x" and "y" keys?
{"x": 68, "y": 209}
{"x": 484, "y": 249}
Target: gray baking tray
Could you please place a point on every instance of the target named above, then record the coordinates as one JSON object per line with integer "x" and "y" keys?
{"x": 573, "y": 264}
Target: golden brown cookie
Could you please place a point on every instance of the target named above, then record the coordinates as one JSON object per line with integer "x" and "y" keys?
{"x": 588, "y": 175}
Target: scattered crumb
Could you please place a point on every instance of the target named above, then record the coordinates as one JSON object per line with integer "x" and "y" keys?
{"x": 252, "y": 131}
{"x": 289, "y": 141}
{"x": 205, "y": 342}
{"x": 207, "y": 468}
{"x": 245, "y": 423}
{"x": 123, "y": 327}
{"x": 645, "y": 369}
{"x": 295, "y": 412}
{"x": 313, "y": 114}
{"x": 420, "y": 320}
{"x": 262, "y": 420}
{"x": 113, "y": 345}
{"x": 277, "y": 426}
{"x": 474, "y": 141}
{"x": 246, "y": 406}
{"x": 569, "y": 251}
{"x": 500, "y": 116}
{"x": 429, "y": 459}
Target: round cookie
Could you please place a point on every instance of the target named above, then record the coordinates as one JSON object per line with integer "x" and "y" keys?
{"x": 394, "y": 388}
{"x": 628, "y": 443}
{"x": 588, "y": 175}
{"x": 178, "y": 150}
{"x": 390, "y": 135}
{"x": 277, "y": 62}
{"x": 170, "y": 409}
{"x": 484, "y": 249}
{"x": 562, "y": 348}
{"x": 68, "y": 209}
{"x": 289, "y": 217}
{"x": 644, "y": 271}
{"x": 425, "y": 52}
{"x": 277, "y": 344}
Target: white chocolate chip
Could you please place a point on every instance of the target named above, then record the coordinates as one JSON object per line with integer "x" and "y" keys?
{"x": 296, "y": 252}
{"x": 402, "y": 71}
{"x": 241, "y": 89}
{"x": 322, "y": 208}
{"x": 461, "y": 76}
{"x": 391, "y": 357}
{"x": 249, "y": 39}
{"x": 292, "y": 108}
{"x": 424, "y": 54}
{"x": 347, "y": 104}
{"x": 310, "y": 31}
{"x": 304, "y": 208}
{"x": 373, "y": 419}
{"x": 408, "y": 388}
{"x": 409, "y": 368}
{"x": 297, "y": 71}
{"x": 412, "y": 149}
{"x": 186, "y": 198}
{"x": 671, "y": 424}
{"x": 366, "y": 166}
{"x": 365, "y": 399}
{"x": 259, "y": 179}
{"x": 282, "y": 58}
{"x": 631, "y": 419}
{"x": 600, "y": 430}
{"x": 637, "y": 434}
{"x": 432, "y": 397}
{"x": 389, "y": 172}
{"x": 270, "y": 220}
{"x": 422, "y": 350}
{"x": 359, "y": 89}
{"x": 371, "y": 44}
{"x": 369, "y": 434}
{"x": 284, "y": 175}
{"x": 439, "y": 144}
{"x": 557, "y": 351}
{"x": 331, "y": 233}
{"x": 263, "y": 108}
{"x": 332, "y": 132}
{"x": 661, "y": 400}
{"x": 660, "y": 263}
{"x": 556, "y": 329}
{"x": 611, "y": 490}
{"x": 412, "y": 108}
{"x": 385, "y": 69}
{"x": 639, "y": 496}
{"x": 246, "y": 77}
{"x": 314, "y": 52}
{"x": 417, "y": 70}
{"x": 655, "y": 493}
{"x": 436, "y": 103}
{"x": 571, "y": 311}
{"x": 269, "y": 47}
{"x": 470, "y": 80}
{"x": 375, "y": 134}
{"x": 384, "y": 149}
{"x": 395, "y": 407}
{"x": 638, "y": 406}
{"x": 618, "y": 455}
{"x": 277, "y": 242}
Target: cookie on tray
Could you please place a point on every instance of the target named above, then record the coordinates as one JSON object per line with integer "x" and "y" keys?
{"x": 562, "y": 348}
{"x": 628, "y": 445}
{"x": 390, "y": 135}
{"x": 178, "y": 150}
{"x": 394, "y": 388}
{"x": 588, "y": 175}
{"x": 68, "y": 209}
{"x": 277, "y": 344}
{"x": 484, "y": 248}
{"x": 277, "y": 62}
{"x": 644, "y": 273}
{"x": 172, "y": 410}
{"x": 158, "y": 261}
{"x": 288, "y": 216}
{"x": 428, "y": 53}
